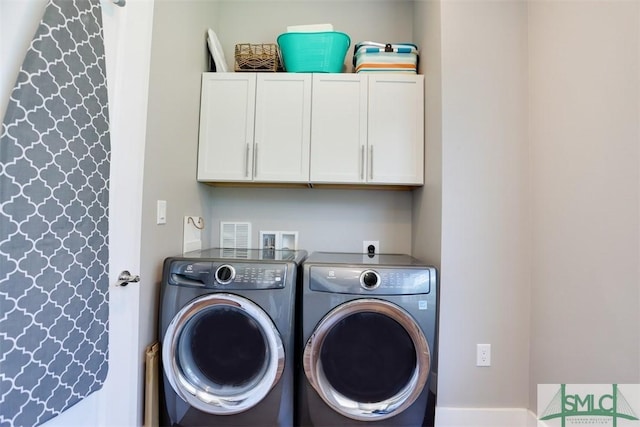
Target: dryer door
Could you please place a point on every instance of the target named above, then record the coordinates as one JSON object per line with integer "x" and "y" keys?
{"x": 222, "y": 354}
{"x": 368, "y": 359}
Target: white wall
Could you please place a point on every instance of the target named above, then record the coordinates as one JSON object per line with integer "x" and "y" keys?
{"x": 540, "y": 182}
{"x": 178, "y": 59}
{"x": 485, "y": 272}
{"x": 426, "y": 217}
{"x": 255, "y": 21}
{"x": 326, "y": 220}
{"x": 427, "y": 205}
{"x": 585, "y": 110}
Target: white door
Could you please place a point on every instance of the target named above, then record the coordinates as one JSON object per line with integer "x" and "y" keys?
{"x": 127, "y": 45}
{"x": 128, "y": 51}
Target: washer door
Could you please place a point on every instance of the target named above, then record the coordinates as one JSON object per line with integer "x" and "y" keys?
{"x": 367, "y": 359}
{"x": 222, "y": 354}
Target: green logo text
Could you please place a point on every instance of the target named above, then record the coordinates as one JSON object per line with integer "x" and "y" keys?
{"x": 588, "y": 405}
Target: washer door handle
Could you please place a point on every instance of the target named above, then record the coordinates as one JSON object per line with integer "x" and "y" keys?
{"x": 126, "y": 277}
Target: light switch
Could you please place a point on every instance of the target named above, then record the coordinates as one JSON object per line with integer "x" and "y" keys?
{"x": 161, "y": 212}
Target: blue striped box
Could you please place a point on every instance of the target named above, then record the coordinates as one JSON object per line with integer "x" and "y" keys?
{"x": 390, "y": 58}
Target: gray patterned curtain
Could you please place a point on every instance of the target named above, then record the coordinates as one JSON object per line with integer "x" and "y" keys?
{"x": 54, "y": 196}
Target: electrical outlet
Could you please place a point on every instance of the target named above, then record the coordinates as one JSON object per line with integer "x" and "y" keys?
{"x": 366, "y": 246}
{"x": 483, "y": 355}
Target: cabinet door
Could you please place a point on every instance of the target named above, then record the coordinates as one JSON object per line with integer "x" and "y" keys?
{"x": 338, "y": 128}
{"x": 396, "y": 129}
{"x": 282, "y": 126}
{"x": 226, "y": 127}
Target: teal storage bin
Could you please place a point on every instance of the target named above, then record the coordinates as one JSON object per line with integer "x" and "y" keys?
{"x": 321, "y": 52}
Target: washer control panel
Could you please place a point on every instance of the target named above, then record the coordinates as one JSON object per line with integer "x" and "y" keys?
{"x": 257, "y": 276}
{"x": 371, "y": 281}
{"x": 229, "y": 276}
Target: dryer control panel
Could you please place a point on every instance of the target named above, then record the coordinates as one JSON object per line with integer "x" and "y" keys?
{"x": 227, "y": 276}
{"x": 371, "y": 281}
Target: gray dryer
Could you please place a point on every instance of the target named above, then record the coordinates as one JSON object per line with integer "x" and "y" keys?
{"x": 227, "y": 332}
{"x": 368, "y": 331}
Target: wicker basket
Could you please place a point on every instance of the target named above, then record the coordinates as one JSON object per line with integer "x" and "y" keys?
{"x": 257, "y": 57}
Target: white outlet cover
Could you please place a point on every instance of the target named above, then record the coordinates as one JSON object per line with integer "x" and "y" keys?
{"x": 483, "y": 355}
{"x": 279, "y": 240}
{"x": 289, "y": 240}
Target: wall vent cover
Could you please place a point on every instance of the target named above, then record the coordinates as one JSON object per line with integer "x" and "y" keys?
{"x": 235, "y": 235}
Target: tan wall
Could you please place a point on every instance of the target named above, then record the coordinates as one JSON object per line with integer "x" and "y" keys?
{"x": 585, "y": 93}
{"x": 485, "y": 274}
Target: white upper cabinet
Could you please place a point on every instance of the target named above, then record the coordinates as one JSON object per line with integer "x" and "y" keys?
{"x": 254, "y": 127}
{"x": 317, "y": 128}
{"x": 338, "y": 128}
{"x": 282, "y": 127}
{"x": 396, "y": 129}
{"x": 227, "y": 109}
{"x": 367, "y": 128}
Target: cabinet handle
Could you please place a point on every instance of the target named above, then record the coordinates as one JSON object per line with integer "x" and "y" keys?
{"x": 362, "y": 163}
{"x": 371, "y": 162}
{"x": 246, "y": 162}
{"x": 255, "y": 160}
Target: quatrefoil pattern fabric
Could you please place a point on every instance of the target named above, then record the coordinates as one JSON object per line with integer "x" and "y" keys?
{"x": 54, "y": 195}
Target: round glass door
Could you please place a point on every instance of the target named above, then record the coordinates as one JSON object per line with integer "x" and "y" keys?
{"x": 222, "y": 354}
{"x": 367, "y": 359}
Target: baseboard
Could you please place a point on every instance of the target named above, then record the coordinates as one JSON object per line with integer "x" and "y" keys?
{"x": 484, "y": 417}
